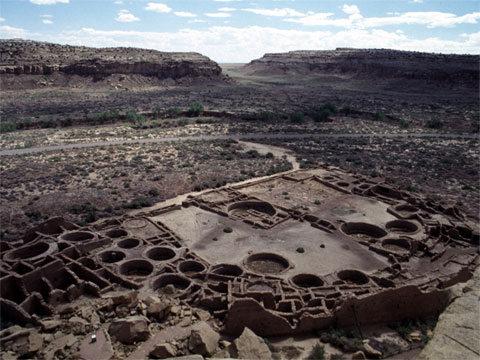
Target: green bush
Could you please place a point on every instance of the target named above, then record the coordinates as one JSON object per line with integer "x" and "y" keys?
{"x": 106, "y": 117}
{"x": 266, "y": 116}
{"x": 322, "y": 113}
{"x": 404, "y": 124}
{"x": 173, "y": 112}
{"x": 329, "y": 107}
{"x": 139, "y": 202}
{"x": 297, "y": 117}
{"x": 317, "y": 353}
{"x": 182, "y": 122}
{"x": 434, "y": 124}
{"x": 135, "y": 118}
{"x": 379, "y": 116}
{"x": 196, "y": 109}
{"x": 347, "y": 110}
{"x": 7, "y": 126}
{"x": 321, "y": 116}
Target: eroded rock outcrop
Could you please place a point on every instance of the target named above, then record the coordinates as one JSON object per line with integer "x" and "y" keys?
{"x": 38, "y": 58}
{"x": 381, "y": 63}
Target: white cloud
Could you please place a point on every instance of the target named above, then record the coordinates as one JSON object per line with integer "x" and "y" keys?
{"x": 350, "y": 9}
{"x": 47, "y": 19}
{"x": 184, "y": 14}
{"x": 2, "y": 19}
{"x": 226, "y": 1}
{"x": 218, "y": 15}
{"x": 284, "y": 12}
{"x": 234, "y": 44}
{"x": 8, "y": 32}
{"x": 196, "y": 21}
{"x": 430, "y": 19}
{"x": 226, "y": 9}
{"x": 118, "y": 2}
{"x": 126, "y": 16}
{"x": 158, "y": 7}
{"x": 49, "y": 2}
{"x": 417, "y": 1}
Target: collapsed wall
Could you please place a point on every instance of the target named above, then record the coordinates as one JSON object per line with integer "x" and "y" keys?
{"x": 286, "y": 255}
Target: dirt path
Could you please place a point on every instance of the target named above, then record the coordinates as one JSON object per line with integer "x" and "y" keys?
{"x": 246, "y": 136}
{"x": 275, "y": 150}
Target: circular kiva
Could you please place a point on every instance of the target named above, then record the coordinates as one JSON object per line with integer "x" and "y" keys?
{"x": 401, "y": 226}
{"x": 363, "y": 230}
{"x": 136, "y": 267}
{"x": 191, "y": 267}
{"x": 241, "y": 207}
{"x": 135, "y": 223}
{"x": 111, "y": 256}
{"x": 227, "y": 270}
{"x": 406, "y": 208}
{"x": 267, "y": 263}
{"x": 353, "y": 277}
{"x": 31, "y": 252}
{"x": 306, "y": 281}
{"x": 160, "y": 253}
{"x": 129, "y": 243}
{"x": 116, "y": 233}
{"x": 171, "y": 283}
{"x": 78, "y": 236}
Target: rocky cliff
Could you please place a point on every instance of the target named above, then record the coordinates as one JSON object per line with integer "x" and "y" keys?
{"x": 456, "y": 69}
{"x": 38, "y": 58}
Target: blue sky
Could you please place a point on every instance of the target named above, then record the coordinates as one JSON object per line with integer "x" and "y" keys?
{"x": 241, "y": 30}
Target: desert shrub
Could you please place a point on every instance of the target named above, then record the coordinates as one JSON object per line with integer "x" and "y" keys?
{"x": 34, "y": 215}
{"x": 173, "y": 112}
{"x": 347, "y": 340}
{"x": 404, "y": 124}
{"x": 329, "y": 107}
{"x": 252, "y": 154}
{"x": 182, "y": 122}
{"x": 135, "y": 118}
{"x": 25, "y": 123}
{"x": 323, "y": 112}
{"x": 139, "y": 202}
{"x": 196, "y": 109}
{"x": 88, "y": 211}
{"x": 7, "y": 126}
{"x": 321, "y": 115}
{"x": 297, "y": 117}
{"x": 266, "y": 116}
{"x": 317, "y": 352}
{"x": 434, "y": 123}
{"x": 347, "y": 110}
{"x": 47, "y": 123}
{"x": 105, "y": 117}
{"x": 379, "y": 116}
{"x": 406, "y": 327}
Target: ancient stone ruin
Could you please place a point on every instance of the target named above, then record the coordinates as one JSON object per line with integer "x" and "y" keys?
{"x": 289, "y": 254}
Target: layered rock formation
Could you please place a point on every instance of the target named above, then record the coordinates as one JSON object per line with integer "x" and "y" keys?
{"x": 456, "y": 69}
{"x": 38, "y": 58}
